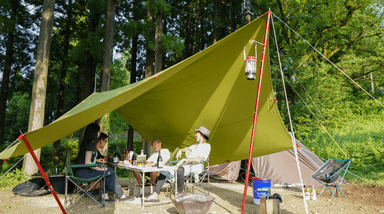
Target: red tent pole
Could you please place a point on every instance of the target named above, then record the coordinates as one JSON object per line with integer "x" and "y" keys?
{"x": 42, "y": 171}
{"x": 256, "y": 111}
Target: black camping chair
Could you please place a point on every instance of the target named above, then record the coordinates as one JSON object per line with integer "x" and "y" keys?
{"x": 329, "y": 172}
{"x": 82, "y": 184}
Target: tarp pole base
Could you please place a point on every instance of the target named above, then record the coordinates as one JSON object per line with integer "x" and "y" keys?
{"x": 42, "y": 172}
{"x": 256, "y": 110}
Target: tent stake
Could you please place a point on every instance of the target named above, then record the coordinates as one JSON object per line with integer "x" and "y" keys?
{"x": 42, "y": 171}
{"x": 256, "y": 110}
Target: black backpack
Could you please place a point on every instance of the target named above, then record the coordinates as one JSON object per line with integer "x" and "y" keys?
{"x": 33, "y": 187}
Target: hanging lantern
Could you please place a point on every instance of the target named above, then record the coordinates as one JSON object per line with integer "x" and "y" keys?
{"x": 251, "y": 62}
{"x": 250, "y": 67}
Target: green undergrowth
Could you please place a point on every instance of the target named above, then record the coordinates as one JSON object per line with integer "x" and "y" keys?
{"x": 16, "y": 176}
{"x": 13, "y": 178}
{"x": 361, "y": 140}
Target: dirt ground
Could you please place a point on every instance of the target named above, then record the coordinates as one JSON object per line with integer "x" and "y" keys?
{"x": 228, "y": 199}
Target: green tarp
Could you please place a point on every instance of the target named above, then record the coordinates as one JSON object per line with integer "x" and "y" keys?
{"x": 208, "y": 89}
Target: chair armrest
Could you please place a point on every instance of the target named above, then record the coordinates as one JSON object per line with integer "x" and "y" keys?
{"x": 174, "y": 161}
{"x": 87, "y": 165}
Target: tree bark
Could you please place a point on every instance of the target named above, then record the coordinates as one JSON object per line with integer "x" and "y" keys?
{"x": 149, "y": 50}
{"x": 149, "y": 71}
{"x": 107, "y": 60}
{"x": 36, "y": 116}
{"x": 223, "y": 30}
{"x": 188, "y": 48}
{"x": 214, "y": 33}
{"x": 133, "y": 80}
{"x": 233, "y": 20}
{"x": 158, "y": 51}
{"x": 202, "y": 31}
{"x": 7, "y": 71}
{"x": 55, "y": 158}
{"x": 89, "y": 68}
{"x": 284, "y": 20}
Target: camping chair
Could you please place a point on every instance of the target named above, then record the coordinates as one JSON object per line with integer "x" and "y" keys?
{"x": 83, "y": 185}
{"x": 195, "y": 180}
{"x": 329, "y": 172}
{"x": 169, "y": 181}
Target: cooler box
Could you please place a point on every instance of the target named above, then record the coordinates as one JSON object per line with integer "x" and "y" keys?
{"x": 261, "y": 188}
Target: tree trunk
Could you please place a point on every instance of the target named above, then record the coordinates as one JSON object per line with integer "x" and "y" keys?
{"x": 36, "y": 116}
{"x": 214, "y": 33}
{"x": 223, "y": 30}
{"x": 133, "y": 80}
{"x": 158, "y": 51}
{"x": 5, "y": 84}
{"x": 149, "y": 71}
{"x": 107, "y": 60}
{"x": 202, "y": 31}
{"x": 233, "y": 20}
{"x": 149, "y": 50}
{"x": 55, "y": 158}
{"x": 188, "y": 51}
{"x": 89, "y": 68}
{"x": 7, "y": 71}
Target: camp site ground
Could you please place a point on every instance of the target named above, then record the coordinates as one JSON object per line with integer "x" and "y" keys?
{"x": 228, "y": 199}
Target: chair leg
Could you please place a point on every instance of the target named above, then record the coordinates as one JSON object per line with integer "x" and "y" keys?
{"x": 84, "y": 191}
{"x": 331, "y": 191}
{"x": 322, "y": 190}
{"x": 66, "y": 192}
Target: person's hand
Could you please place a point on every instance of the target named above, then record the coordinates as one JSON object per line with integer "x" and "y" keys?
{"x": 178, "y": 154}
{"x": 101, "y": 160}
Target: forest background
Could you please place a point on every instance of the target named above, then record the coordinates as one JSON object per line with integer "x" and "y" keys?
{"x": 151, "y": 35}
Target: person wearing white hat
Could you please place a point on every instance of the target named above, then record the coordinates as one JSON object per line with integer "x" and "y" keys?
{"x": 196, "y": 154}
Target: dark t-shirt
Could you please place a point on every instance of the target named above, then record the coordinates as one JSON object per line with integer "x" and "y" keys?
{"x": 92, "y": 148}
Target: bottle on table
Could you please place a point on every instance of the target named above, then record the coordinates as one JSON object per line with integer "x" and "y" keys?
{"x": 159, "y": 161}
{"x": 134, "y": 156}
{"x": 123, "y": 155}
{"x": 116, "y": 157}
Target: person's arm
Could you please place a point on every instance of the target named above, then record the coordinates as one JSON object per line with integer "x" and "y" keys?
{"x": 186, "y": 150}
{"x": 202, "y": 150}
{"x": 190, "y": 160}
{"x": 88, "y": 157}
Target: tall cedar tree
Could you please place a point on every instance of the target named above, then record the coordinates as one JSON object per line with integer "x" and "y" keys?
{"x": 36, "y": 117}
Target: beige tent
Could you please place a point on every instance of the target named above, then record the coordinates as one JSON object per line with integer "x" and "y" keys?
{"x": 280, "y": 168}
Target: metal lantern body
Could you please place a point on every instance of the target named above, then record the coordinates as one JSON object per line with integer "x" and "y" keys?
{"x": 250, "y": 67}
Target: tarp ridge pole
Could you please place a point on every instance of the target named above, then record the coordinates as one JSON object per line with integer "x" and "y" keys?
{"x": 42, "y": 172}
{"x": 256, "y": 110}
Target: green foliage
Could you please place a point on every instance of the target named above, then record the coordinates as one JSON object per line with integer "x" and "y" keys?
{"x": 173, "y": 46}
{"x": 71, "y": 144}
{"x": 13, "y": 178}
{"x": 361, "y": 139}
{"x": 17, "y": 115}
{"x": 156, "y": 5}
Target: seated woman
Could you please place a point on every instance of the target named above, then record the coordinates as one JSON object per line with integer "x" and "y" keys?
{"x": 87, "y": 155}
{"x": 195, "y": 155}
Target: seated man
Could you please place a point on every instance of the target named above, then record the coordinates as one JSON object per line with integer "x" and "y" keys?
{"x": 195, "y": 155}
{"x": 157, "y": 146}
